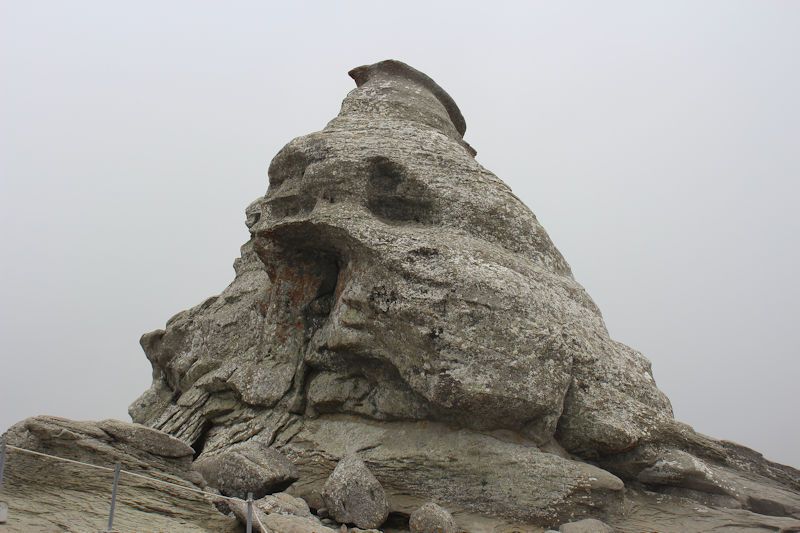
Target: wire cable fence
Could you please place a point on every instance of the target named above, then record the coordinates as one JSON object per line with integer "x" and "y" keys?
{"x": 118, "y": 471}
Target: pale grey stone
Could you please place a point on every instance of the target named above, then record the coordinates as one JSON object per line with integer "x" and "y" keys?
{"x": 432, "y": 518}
{"x": 146, "y": 438}
{"x": 252, "y": 467}
{"x": 282, "y": 503}
{"x": 278, "y": 522}
{"x": 353, "y": 495}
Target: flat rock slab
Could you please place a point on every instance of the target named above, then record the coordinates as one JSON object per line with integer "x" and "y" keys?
{"x": 587, "y": 525}
{"x": 470, "y": 473}
{"x": 48, "y": 495}
{"x": 650, "y": 511}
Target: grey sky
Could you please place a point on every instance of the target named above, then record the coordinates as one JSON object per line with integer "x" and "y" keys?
{"x": 658, "y": 143}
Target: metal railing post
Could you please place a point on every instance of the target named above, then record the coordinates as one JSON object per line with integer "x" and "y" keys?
{"x": 117, "y": 469}
{"x": 2, "y": 459}
{"x": 3, "y": 505}
{"x": 249, "y": 512}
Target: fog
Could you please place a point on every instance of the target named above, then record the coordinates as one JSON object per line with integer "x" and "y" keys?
{"x": 657, "y": 142}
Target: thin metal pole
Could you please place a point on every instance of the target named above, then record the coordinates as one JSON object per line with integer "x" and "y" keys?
{"x": 2, "y": 459}
{"x": 3, "y": 505}
{"x": 249, "y": 512}
{"x": 117, "y": 468}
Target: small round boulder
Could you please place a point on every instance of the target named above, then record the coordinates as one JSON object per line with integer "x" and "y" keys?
{"x": 431, "y": 518}
{"x": 353, "y": 495}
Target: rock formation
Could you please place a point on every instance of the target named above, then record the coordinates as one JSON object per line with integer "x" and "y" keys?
{"x": 396, "y": 302}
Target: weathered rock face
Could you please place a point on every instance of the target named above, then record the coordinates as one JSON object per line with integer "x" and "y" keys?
{"x": 398, "y": 302}
{"x": 44, "y": 494}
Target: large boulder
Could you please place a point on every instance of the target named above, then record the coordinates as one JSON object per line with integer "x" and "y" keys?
{"x": 252, "y": 467}
{"x": 352, "y": 495}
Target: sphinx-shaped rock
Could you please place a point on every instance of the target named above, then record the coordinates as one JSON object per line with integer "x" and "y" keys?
{"x": 396, "y": 300}
{"x": 406, "y": 282}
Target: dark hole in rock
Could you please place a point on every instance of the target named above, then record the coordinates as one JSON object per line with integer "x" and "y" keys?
{"x": 386, "y": 176}
{"x": 317, "y": 311}
{"x": 223, "y": 507}
{"x": 397, "y": 521}
{"x": 393, "y": 196}
{"x": 291, "y": 206}
{"x": 200, "y": 442}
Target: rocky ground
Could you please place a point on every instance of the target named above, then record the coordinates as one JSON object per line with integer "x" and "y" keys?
{"x": 403, "y": 348}
{"x": 47, "y": 495}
